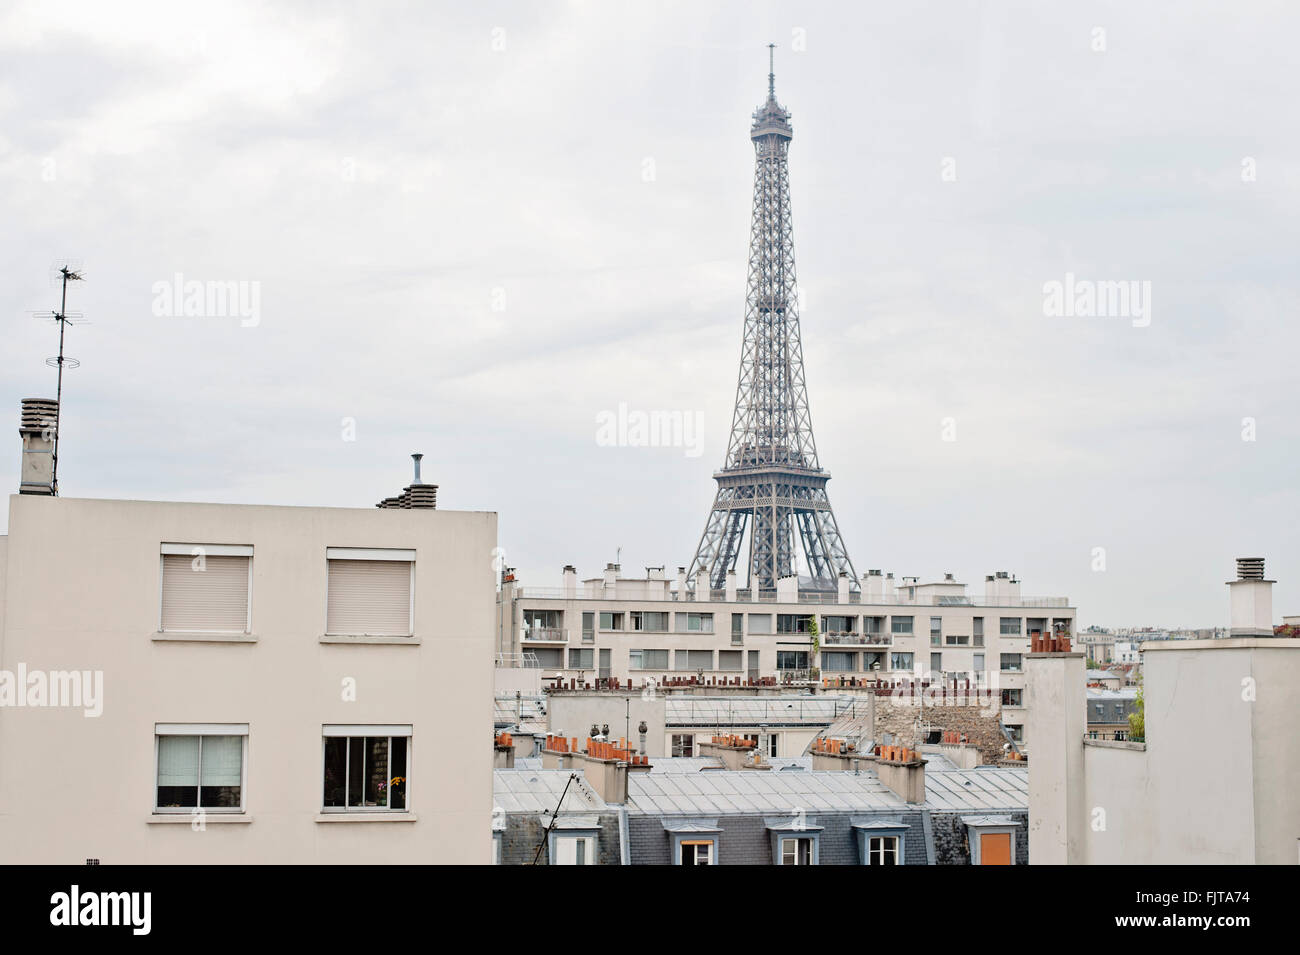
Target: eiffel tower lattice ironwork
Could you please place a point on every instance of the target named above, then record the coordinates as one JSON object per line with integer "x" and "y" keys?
{"x": 772, "y": 484}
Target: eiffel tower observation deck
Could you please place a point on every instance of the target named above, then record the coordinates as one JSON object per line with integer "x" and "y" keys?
{"x": 772, "y": 489}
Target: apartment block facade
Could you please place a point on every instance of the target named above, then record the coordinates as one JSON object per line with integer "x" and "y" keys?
{"x": 215, "y": 683}
{"x": 641, "y": 630}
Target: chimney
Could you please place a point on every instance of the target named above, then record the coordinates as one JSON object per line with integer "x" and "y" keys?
{"x": 417, "y": 495}
{"x": 569, "y": 580}
{"x": 902, "y": 769}
{"x": 735, "y": 752}
{"x": 1250, "y": 600}
{"x": 1056, "y": 704}
{"x": 787, "y": 589}
{"x": 606, "y": 766}
{"x": 702, "y": 588}
{"x": 731, "y": 586}
{"x": 873, "y": 586}
{"x": 842, "y": 595}
{"x": 610, "y": 580}
{"x": 36, "y": 427}
{"x": 681, "y": 583}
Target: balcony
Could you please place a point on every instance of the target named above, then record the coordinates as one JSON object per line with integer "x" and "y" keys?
{"x": 856, "y": 640}
{"x": 539, "y": 636}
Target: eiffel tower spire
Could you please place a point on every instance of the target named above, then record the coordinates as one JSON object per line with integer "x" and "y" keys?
{"x": 771, "y": 484}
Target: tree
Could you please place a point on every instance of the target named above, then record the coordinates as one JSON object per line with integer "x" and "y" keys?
{"x": 1137, "y": 718}
{"x": 815, "y": 641}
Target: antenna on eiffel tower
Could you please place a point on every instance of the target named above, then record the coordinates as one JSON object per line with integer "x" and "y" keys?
{"x": 771, "y": 69}
{"x": 63, "y": 272}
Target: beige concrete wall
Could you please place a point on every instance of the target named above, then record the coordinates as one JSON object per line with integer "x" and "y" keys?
{"x": 1055, "y": 694}
{"x": 1218, "y": 779}
{"x": 83, "y": 589}
{"x": 573, "y": 715}
{"x": 1198, "y": 735}
{"x": 1119, "y": 800}
{"x": 1276, "y": 758}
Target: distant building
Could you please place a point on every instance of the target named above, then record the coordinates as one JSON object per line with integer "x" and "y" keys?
{"x": 613, "y": 630}
{"x": 869, "y": 812}
{"x": 1108, "y": 712}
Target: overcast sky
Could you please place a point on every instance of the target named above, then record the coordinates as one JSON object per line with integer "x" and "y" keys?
{"x": 474, "y": 228}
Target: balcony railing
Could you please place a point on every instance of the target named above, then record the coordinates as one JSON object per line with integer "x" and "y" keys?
{"x": 857, "y": 640}
{"x": 545, "y": 635}
{"x": 584, "y": 592}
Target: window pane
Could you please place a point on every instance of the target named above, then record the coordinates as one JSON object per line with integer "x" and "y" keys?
{"x": 178, "y": 772}
{"x": 376, "y": 780}
{"x": 336, "y": 757}
{"x": 221, "y": 759}
{"x": 356, "y": 769}
{"x": 397, "y": 783}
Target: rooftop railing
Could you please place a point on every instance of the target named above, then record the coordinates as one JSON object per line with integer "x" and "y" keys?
{"x": 770, "y": 597}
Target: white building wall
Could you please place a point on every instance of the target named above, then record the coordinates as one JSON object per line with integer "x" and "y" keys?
{"x": 83, "y": 589}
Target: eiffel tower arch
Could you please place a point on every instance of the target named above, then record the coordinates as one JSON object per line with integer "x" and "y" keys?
{"x": 772, "y": 489}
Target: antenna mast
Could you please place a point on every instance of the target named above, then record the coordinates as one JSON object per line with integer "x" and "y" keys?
{"x": 62, "y": 317}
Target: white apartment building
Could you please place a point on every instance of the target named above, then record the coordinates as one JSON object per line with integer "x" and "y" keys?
{"x": 217, "y": 683}
{"x": 1214, "y": 781}
{"x": 637, "y": 630}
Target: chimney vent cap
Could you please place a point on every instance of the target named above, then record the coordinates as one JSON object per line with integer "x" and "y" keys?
{"x": 1250, "y": 568}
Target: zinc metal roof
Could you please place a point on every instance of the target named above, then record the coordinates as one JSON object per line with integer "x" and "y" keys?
{"x": 757, "y": 791}
{"x": 977, "y": 790}
{"x": 756, "y": 710}
{"x": 538, "y": 790}
{"x": 771, "y": 791}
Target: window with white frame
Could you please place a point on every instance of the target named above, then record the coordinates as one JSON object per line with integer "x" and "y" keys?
{"x": 652, "y": 621}
{"x": 1009, "y": 626}
{"x": 366, "y": 768}
{"x": 694, "y": 622}
{"x": 695, "y": 852}
{"x": 902, "y": 626}
{"x": 797, "y": 850}
{"x": 882, "y": 850}
{"x": 683, "y": 744}
{"x": 1009, "y": 662}
{"x": 370, "y": 591}
{"x": 581, "y": 659}
{"x": 647, "y": 659}
{"x": 200, "y": 766}
{"x": 573, "y": 849}
{"x": 760, "y": 623}
{"x": 977, "y": 631}
{"x": 205, "y": 588}
{"x": 900, "y": 661}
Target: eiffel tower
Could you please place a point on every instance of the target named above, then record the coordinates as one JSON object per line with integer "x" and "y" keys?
{"x": 772, "y": 483}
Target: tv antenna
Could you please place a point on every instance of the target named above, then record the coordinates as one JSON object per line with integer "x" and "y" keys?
{"x": 64, "y": 273}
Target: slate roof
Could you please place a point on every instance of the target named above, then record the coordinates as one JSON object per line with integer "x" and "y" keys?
{"x": 756, "y": 710}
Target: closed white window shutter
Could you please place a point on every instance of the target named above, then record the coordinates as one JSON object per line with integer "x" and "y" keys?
{"x": 371, "y": 597}
{"x": 211, "y": 599}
